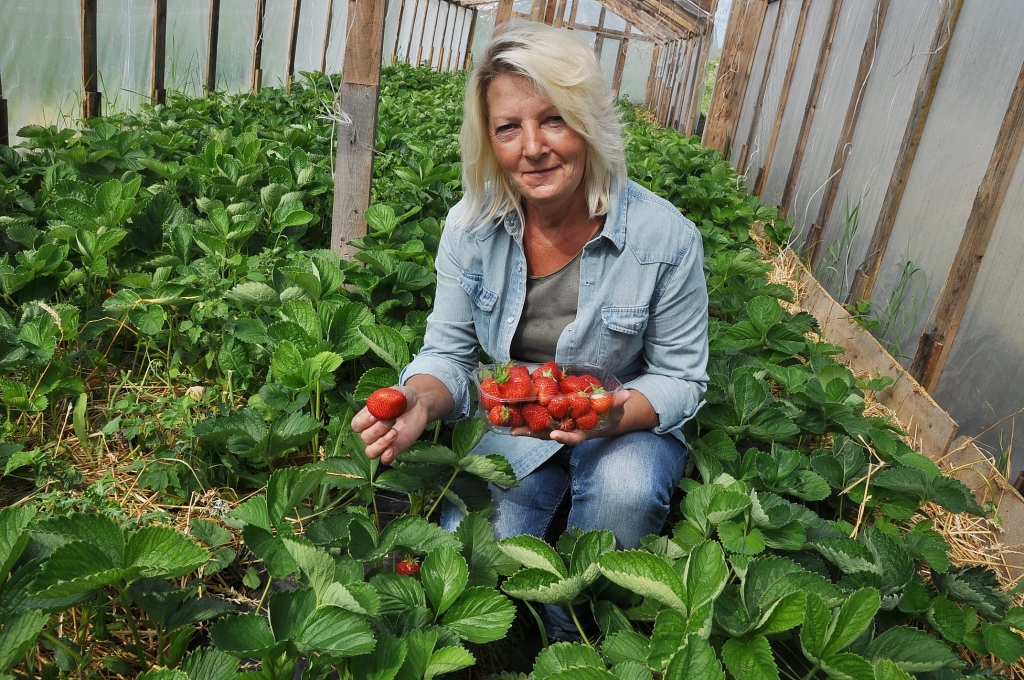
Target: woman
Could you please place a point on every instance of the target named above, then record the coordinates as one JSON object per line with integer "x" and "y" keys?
{"x": 553, "y": 254}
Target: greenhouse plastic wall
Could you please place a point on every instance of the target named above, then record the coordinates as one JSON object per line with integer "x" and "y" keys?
{"x": 234, "y": 46}
{"x": 757, "y": 74}
{"x": 888, "y": 97}
{"x": 186, "y": 46}
{"x": 124, "y": 52}
{"x": 762, "y": 131}
{"x": 837, "y": 89}
{"x": 40, "y": 62}
{"x": 636, "y": 70}
{"x": 956, "y": 143}
{"x": 803, "y": 73}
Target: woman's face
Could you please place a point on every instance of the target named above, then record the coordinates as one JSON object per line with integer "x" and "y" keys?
{"x": 542, "y": 156}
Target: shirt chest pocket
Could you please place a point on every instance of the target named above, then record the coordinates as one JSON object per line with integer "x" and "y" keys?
{"x": 622, "y": 336}
{"x": 483, "y": 300}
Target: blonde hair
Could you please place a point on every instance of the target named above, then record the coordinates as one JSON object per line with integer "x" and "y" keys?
{"x": 565, "y": 70}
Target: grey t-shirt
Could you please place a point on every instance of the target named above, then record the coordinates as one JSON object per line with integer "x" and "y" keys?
{"x": 550, "y": 306}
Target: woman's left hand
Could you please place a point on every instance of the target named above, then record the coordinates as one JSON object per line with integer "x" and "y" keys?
{"x": 614, "y": 419}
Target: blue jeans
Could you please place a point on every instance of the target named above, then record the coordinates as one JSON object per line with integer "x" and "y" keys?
{"x": 623, "y": 484}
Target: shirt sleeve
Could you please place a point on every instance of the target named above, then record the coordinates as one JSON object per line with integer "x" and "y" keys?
{"x": 676, "y": 341}
{"x": 450, "y": 345}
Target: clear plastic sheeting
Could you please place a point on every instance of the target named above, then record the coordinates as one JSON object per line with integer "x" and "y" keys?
{"x": 837, "y": 86}
{"x": 309, "y": 45}
{"x": 818, "y": 14}
{"x": 609, "y": 55}
{"x": 757, "y": 74}
{"x": 588, "y": 12}
{"x": 339, "y": 37}
{"x": 613, "y": 21}
{"x": 980, "y": 383}
{"x": 636, "y": 71}
{"x": 484, "y": 30}
{"x": 760, "y": 136}
{"x": 187, "y": 24}
{"x": 234, "y": 45}
{"x": 969, "y": 109}
{"x": 277, "y": 23}
{"x": 41, "y": 62}
{"x": 900, "y": 58}
{"x": 124, "y": 52}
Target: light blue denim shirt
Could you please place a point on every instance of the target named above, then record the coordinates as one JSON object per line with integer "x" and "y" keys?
{"x": 642, "y": 311}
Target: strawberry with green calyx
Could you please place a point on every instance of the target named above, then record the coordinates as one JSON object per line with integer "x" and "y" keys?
{"x": 536, "y": 417}
{"x": 587, "y": 421}
{"x": 408, "y": 566}
{"x": 518, "y": 372}
{"x": 595, "y": 384}
{"x": 518, "y": 388}
{"x": 579, "y": 404}
{"x": 545, "y": 387}
{"x": 505, "y": 416}
{"x": 386, "y": 403}
{"x": 549, "y": 370}
{"x": 572, "y": 384}
{"x": 601, "y": 401}
{"x": 490, "y": 394}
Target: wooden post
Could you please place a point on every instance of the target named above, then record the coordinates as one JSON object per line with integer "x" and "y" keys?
{"x": 293, "y": 42}
{"x": 560, "y": 13}
{"x": 572, "y": 11}
{"x": 780, "y": 111}
{"x": 549, "y": 12}
{"x": 92, "y": 100}
{"x": 157, "y": 92}
{"x": 698, "y": 97}
{"x": 423, "y": 30}
{"x": 741, "y": 165}
{"x": 455, "y": 40}
{"x": 444, "y": 36}
{"x": 812, "y": 103}
{"x": 360, "y": 89}
{"x": 503, "y": 14}
{"x": 398, "y": 30}
{"x": 867, "y": 58}
{"x": 257, "y": 47}
{"x": 865, "y": 276}
{"x": 467, "y": 62}
{"x": 652, "y": 82}
{"x": 211, "y": 46}
{"x": 599, "y": 43}
{"x": 741, "y": 37}
{"x": 412, "y": 31}
{"x": 5, "y": 136}
{"x": 620, "y": 63}
{"x": 934, "y": 346}
{"x": 433, "y": 31}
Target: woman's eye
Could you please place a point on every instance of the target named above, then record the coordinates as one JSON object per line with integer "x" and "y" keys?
{"x": 504, "y": 128}
{"x": 556, "y": 120}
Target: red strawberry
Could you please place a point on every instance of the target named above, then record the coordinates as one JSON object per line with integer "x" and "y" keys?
{"x": 567, "y": 424}
{"x": 549, "y": 370}
{"x": 518, "y": 372}
{"x": 587, "y": 421}
{"x": 578, "y": 405}
{"x": 595, "y": 384}
{"x": 545, "y": 388}
{"x": 536, "y": 416}
{"x": 559, "y": 405}
{"x": 601, "y": 401}
{"x": 505, "y": 416}
{"x": 515, "y": 417}
{"x": 490, "y": 393}
{"x": 576, "y": 383}
{"x": 408, "y": 567}
{"x": 386, "y": 403}
{"x": 518, "y": 388}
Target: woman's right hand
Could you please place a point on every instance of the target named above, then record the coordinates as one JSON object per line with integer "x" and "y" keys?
{"x": 426, "y": 398}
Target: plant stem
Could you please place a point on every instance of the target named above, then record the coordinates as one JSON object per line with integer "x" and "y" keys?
{"x": 814, "y": 669}
{"x": 441, "y": 496}
{"x": 540, "y": 624}
{"x": 266, "y": 589}
{"x": 130, "y": 618}
{"x": 578, "y": 626}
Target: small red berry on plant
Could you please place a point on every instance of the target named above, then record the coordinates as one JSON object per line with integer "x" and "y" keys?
{"x": 386, "y": 403}
{"x": 408, "y": 567}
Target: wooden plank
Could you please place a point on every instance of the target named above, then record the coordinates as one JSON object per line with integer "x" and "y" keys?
{"x": 982, "y": 221}
{"x": 398, "y": 31}
{"x": 503, "y": 14}
{"x": 293, "y": 42}
{"x": 599, "y": 43}
{"x": 433, "y": 31}
{"x": 867, "y": 58}
{"x": 620, "y": 64}
{"x": 469, "y": 41}
{"x": 257, "y": 49}
{"x": 699, "y": 95}
{"x": 741, "y": 166}
{"x": 572, "y": 11}
{"x": 741, "y": 37}
{"x": 787, "y": 81}
{"x": 157, "y": 92}
{"x": 423, "y": 30}
{"x": 683, "y": 74}
{"x": 212, "y": 40}
{"x": 812, "y": 104}
{"x": 359, "y": 92}
{"x": 865, "y": 276}
{"x": 560, "y": 13}
{"x": 444, "y": 35}
{"x": 412, "y": 31}
{"x": 927, "y": 421}
{"x": 92, "y": 100}
{"x": 652, "y": 77}
{"x": 455, "y": 44}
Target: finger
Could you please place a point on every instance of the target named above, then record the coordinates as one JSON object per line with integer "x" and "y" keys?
{"x": 568, "y": 438}
{"x": 375, "y": 431}
{"x": 362, "y": 420}
{"x": 621, "y": 397}
{"x": 381, "y": 445}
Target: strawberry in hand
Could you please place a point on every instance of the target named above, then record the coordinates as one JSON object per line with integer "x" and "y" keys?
{"x": 386, "y": 403}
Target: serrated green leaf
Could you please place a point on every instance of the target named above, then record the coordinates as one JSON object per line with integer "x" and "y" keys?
{"x": 887, "y": 670}
{"x": 532, "y": 552}
{"x": 492, "y": 468}
{"x": 626, "y": 645}
{"x": 254, "y": 293}
{"x": 696, "y": 660}
{"x": 814, "y": 633}
{"x": 162, "y": 552}
{"x": 736, "y": 538}
{"x": 750, "y": 659}
{"x": 706, "y": 575}
{"x": 847, "y": 666}
{"x": 386, "y": 343}
{"x": 18, "y": 635}
{"x": 480, "y": 615}
{"x": 13, "y": 537}
{"x": 245, "y": 635}
{"x": 913, "y": 650}
{"x": 207, "y": 663}
{"x": 564, "y": 656}
{"x": 856, "y": 614}
{"x": 448, "y": 660}
{"x": 647, "y": 575}
{"x": 288, "y": 488}
{"x": 335, "y": 632}
{"x": 444, "y": 576}
{"x": 383, "y": 662}
{"x": 1002, "y": 642}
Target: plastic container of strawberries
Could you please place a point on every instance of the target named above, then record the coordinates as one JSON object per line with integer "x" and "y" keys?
{"x": 519, "y": 409}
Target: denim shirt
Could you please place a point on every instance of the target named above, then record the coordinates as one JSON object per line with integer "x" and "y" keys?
{"x": 642, "y": 311}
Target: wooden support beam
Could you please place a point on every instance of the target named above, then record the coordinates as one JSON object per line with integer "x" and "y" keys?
{"x": 787, "y": 81}
{"x": 503, "y": 14}
{"x": 933, "y": 349}
{"x": 92, "y": 100}
{"x": 681, "y": 77}
{"x": 412, "y": 31}
{"x": 157, "y": 91}
{"x": 741, "y": 37}
{"x": 572, "y": 11}
{"x": 293, "y": 42}
{"x": 444, "y": 35}
{"x": 257, "y": 49}
{"x": 423, "y": 30}
{"x": 867, "y": 58}
{"x": 549, "y": 12}
{"x": 865, "y": 276}
{"x": 398, "y": 31}
{"x": 467, "y": 62}
{"x": 359, "y": 92}
{"x": 620, "y": 64}
{"x": 741, "y": 166}
{"x": 433, "y": 31}
{"x": 212, "y": 40}
{"x": 652, "y": 82}
{"x": 5, "y": 135}
{"x": 455, "y": 44}
{"x": 599, "y": 43}
{"x": 812, "y": 103}
{"x": 698, "y": 96}
{"x": 560, "y": 13}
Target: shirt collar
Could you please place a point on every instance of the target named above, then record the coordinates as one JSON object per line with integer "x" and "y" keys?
{"x": 615, "y": 222}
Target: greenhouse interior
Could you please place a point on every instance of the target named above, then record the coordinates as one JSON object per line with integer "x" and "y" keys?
{"x": 278, "y": 404}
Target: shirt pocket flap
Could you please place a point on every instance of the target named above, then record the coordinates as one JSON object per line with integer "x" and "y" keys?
{"x": 473, "y": 284}
{"x": 630, "y": 320}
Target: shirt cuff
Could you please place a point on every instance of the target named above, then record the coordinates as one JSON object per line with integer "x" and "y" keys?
{"x": 675, "y": 401}
{"x": 451, "y": 374}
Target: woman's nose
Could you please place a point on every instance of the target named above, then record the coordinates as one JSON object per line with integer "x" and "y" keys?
{"x": 533, "y": 141}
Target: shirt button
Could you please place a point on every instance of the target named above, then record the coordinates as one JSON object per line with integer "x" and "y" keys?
{"x": 510, "y": 319}
{"x": 637, "y": 326}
